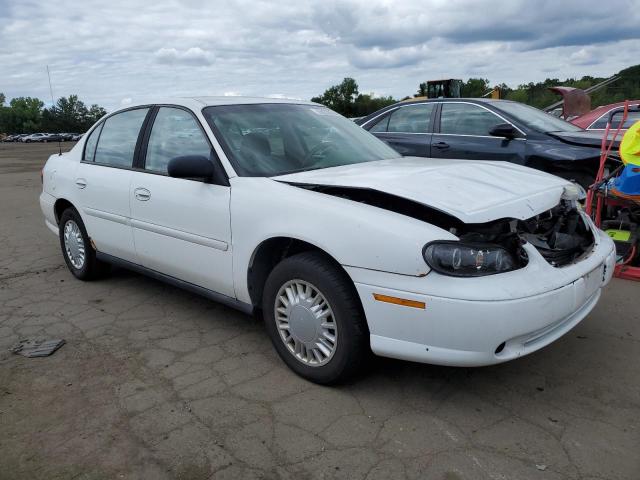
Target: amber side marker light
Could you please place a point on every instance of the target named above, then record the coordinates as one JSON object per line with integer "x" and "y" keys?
{"x": 399, "y": 301}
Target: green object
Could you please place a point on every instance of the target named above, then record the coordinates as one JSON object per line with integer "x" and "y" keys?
{"x": 619, "y": 235}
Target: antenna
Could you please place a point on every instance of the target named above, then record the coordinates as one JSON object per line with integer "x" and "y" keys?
{"x": 52, "y": 107}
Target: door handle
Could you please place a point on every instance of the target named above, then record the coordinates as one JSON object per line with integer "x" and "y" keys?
{"x": 441, "y": 145}
{"x": 81, "y": 183}
{"x": 142, "y": 194}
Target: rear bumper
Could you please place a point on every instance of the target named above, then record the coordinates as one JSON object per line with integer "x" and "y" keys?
{"x": 461, "y": 332}
{"x": 47, "y": 203}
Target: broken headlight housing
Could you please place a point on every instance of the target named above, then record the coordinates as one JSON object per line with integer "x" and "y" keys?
{"x": 459, "y": 259}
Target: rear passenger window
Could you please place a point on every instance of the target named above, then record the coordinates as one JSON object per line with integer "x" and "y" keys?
{"x": 175, "y": 133}
{"x": 90, "y": 145}
{"x": 411, "y": 119}
{"x": 117, "y": 142}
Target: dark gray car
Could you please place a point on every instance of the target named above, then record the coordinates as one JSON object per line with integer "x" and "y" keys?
{"x": 480, "y": 129}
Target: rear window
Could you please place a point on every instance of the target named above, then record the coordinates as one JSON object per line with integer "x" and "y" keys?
{"x": 117, "y": 142}
{"x": 90, "y": 145}
{"x": 601, "y": 123}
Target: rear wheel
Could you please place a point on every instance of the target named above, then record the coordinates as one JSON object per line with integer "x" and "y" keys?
{"x": 314, "y": 318}
{"x": 78, "y": 253}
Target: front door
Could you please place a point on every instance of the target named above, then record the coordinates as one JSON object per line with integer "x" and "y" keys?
{"x": 464, "y": 133}
{"x": 181, "y": 227}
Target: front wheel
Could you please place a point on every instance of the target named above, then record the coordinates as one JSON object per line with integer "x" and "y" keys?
{"x": 314, "y": 318}
{"x": 78, "y": 253}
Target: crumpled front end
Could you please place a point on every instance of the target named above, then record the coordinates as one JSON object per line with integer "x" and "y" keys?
{"x": 565, "y": 262}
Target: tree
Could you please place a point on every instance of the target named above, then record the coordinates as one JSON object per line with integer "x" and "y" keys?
{"x": 27, "y": 115}
{"x": 345, "y": 99}
{"x": 475, "y": 87}
{"x": 340, "y": 98}
{"x": 24, "y": 115}
{"x": 94, "y": 114}
{"x": 365, "y": 104}
{"x": 422, "y": 90}
{"x": 70, "y": 114}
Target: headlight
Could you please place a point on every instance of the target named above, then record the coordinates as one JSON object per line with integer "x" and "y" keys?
{"x": 468, "y": 260}
{"x": 574, "y": 192}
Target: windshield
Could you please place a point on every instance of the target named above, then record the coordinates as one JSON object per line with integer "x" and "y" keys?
{"x": 263, "y": 140}
{"x": 536, "y": 119}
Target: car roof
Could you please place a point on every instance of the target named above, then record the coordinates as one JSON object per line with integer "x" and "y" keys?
{"x": 445, "y": 99}
{"x": 588, "y": 118}
{"x": 412, "y": 101}
{"x": 199, "y": 102}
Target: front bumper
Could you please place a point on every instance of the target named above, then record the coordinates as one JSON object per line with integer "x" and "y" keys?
{"x": 463, "y": 329}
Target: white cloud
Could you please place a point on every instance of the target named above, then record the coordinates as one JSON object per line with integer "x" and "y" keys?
{"x": 585, "y": 56}
{"x": 191, "y": 56}
{"x": 109, "y": 51}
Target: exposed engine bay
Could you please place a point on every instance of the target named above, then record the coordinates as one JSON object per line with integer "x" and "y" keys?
{"x": 559, "y": 234}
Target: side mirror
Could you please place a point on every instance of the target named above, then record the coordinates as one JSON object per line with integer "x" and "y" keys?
{"x": 191, "y": 166}
{"x": 505, "y": 130}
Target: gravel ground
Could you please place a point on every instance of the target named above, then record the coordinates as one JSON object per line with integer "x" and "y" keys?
{"x": 156, "y": 383}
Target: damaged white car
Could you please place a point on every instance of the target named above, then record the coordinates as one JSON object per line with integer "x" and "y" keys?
{"x": 289, "y": 208}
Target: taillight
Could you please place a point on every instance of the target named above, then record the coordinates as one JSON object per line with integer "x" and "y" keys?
{"x": 42, "y": 176}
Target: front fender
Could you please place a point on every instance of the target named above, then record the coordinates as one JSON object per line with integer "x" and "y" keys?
{"x": 354, "y": 234}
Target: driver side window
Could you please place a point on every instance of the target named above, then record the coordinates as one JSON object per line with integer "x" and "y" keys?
{"x": 175, "y": 133}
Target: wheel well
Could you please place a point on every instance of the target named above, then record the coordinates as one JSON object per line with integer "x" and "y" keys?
{"x": 267, "y": 255}
{"x": 60, "y": 206}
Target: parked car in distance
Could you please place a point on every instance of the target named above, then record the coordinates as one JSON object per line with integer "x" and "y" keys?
{"x": 484, "y": 129}
{"x": 76, "y": 136}
{"x": 56, "y": 137}
{"x": 36, "y": 137}
{"x": 596, "y": 119}
{"x": 289, "y": 208}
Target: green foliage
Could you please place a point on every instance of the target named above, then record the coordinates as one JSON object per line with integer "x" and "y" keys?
{"x": 23, "y": 115}
{"x": 346, "y": 100}
{"x": 27, "y": 115}
{"x": 340, "y": 98}
{"x": 539, "y": 95}
{"x": 70, "y": 115}
{"x": 475, "y": 87}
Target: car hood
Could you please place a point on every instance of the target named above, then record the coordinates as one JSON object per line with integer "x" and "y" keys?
{"x": 585, "y": 138}
{"x": 472, "y": 191}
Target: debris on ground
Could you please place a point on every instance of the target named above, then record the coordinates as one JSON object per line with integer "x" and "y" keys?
{"x": 37, "y": 347}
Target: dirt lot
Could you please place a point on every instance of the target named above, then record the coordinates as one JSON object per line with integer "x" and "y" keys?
{"x": 158, "y": 383}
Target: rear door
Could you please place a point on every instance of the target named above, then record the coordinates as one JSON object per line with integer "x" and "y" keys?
{"x": 407, "y": 129}
{"x": 181, "y": 227}
{"x": 462, "y": 131}
{"x": 103, "y": 178}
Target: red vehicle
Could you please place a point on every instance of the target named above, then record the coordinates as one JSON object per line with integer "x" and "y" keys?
{"x": 597, "y": 118}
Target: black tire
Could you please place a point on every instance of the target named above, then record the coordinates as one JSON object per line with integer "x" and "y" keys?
{"x": 91, "y": 268}
{"x": 334, "y": 284}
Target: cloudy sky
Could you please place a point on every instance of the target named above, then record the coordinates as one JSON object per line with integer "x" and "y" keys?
{"x": 114, "y": 51}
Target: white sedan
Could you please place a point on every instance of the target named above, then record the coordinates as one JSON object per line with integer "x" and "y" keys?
{"x": 289, "y": 208}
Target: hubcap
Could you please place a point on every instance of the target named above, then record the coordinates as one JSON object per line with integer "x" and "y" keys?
{"x": 305, "y": 322}
{"x": 74, "y": 244}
